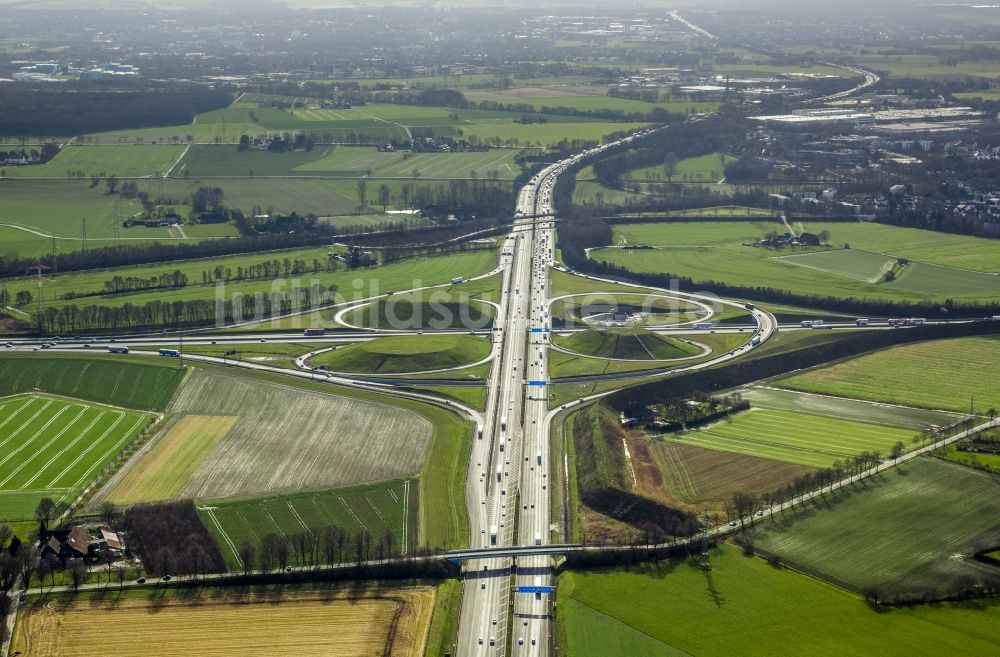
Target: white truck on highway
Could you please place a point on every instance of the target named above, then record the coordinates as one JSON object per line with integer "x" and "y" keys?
{"x": 493, "y": 534}
{"x": 538, "y": 457}
{"x": 702, "y": 325}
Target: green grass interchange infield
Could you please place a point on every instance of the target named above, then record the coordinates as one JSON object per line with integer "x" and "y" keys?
{"x": 402, "y": 354}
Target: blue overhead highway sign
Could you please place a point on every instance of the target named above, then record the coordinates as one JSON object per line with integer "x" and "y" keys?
{"x": 535, "y": 589}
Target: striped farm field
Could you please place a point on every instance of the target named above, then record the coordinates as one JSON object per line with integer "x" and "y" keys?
{"x": 940, "y": 374}
{"x": 108, "y": 380}
{"x": 54, "y": 447}
{"x": 163, "y": 471}
{"x": 391, "y": 506}
{"x": 330, "y": 623}
{"x": 794, "y": 437}
{"x": 290, "y": 440}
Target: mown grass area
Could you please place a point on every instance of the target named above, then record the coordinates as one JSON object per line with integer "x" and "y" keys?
{"x": 912, "y": 529}
{"x": 715, "y": 251}
{"x": 921, "y": 374}
{"x": 104, "y": 161}
{"x": 54, "y": 447}
{"x": 561, "y": 282}
{"x": 403, "y": 354}
{"x": 458, "y": 305}
{"x": 357, "y": 283}
{"x": 107, "y": 379}
{"x": 390, "y": 506}
{"x": 630, "y": 344}
{"x": 795, "y": 437}
{"x": 745, "y": 604}
{"x": 644, "y": 309}
{"x": 562, "y": 364}
{"x": 443, "y": 519}
{"x": 473, "y": 396}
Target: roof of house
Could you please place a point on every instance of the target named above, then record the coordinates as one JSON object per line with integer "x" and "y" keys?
{"x": 78, "y": 541}
{"x": 111, "y": 538}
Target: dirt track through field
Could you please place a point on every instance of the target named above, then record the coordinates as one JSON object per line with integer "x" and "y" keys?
{"x": 288, "y": 439}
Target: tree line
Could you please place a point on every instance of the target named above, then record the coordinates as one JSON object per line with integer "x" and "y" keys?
{"x": 73, "y": 109}
{"x": 158, "y": 314}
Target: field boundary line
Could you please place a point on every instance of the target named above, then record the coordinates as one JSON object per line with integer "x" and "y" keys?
{"x": 57, "y": 455}
{"x": 12, "y": 453}
{"x": 210, "y": 511}
{"x": 115, "y": 448}
{"x": 54, "y": 438}
{"x": 29, "y": 421}
{"x": 351, "y": 511}
{"x": 295, "y": 512}
{"x": 19, "y": 409}
{"x": 80, "y": 437}
{"x": 166, "y": 422}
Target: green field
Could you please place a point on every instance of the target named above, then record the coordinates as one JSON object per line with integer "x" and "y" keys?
{"x": 704, "y": 168}
{"x": 58, "y": 207}
{"x": 545, "y": 134}
{"x": 403, "y": 354}
{"x": 334, "y": 200}
{"x": 795, "y": 437}
{"x": 391, "y": 506}
{"x": 586, "y": 98}
{"x": 920, "y": 374}
{"x": 905, "y": 417}
{"x": 454, "y": 306}
{"x": 930, "y": 517}
{"x": 364, "y": 124}
{"x": 924, "y": 246}
{"x": 86, "y": 161}
{"x": 108, "y": 380}
{"x": 928, "y": 66}
{"x": 346, "y": 162}
{"x": 360, "y": 283}
{"x": 54, "y": 447}
{"x": 745, "y": 606}
{"x": 645, "y": 309}
{"x": 629, "y": 344}
{"x": 716, "y": 252}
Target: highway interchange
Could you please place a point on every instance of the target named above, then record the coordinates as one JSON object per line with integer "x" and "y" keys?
{"x": 508, "y": 491}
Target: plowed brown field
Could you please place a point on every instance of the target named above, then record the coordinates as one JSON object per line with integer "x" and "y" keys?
{"x": 393, "y": 623}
